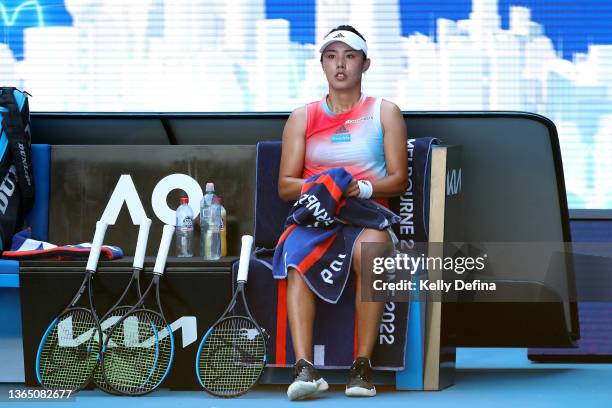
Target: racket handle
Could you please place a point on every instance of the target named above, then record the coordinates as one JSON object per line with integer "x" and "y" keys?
{"x": 141, "y": 245}
{"x": 96, "y": 246}
{"x": 245, "y": 255}
{"x": 164, "y": 248}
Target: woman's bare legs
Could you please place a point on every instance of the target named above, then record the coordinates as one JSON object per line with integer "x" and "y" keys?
{"x": 368, "y": 313}
{"x": 301, "y": 306}
{"x": 301, "y": 314}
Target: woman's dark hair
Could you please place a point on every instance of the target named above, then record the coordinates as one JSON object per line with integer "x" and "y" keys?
{"x": 350, "y": 28}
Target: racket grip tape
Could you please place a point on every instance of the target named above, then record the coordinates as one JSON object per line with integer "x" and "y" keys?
{"x": 245, "y": 256}
{"x": 96, "y": 246}
{"x": 141, "y": 245}
{"x": 164, "y": 248}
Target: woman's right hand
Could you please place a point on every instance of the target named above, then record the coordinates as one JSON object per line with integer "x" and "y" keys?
{"x": 352, "y": 190}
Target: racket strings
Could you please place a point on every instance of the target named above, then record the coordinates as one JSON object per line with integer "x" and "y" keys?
{"x": 70, "y": 351}
{"x": 232, "y": 357}
{"x": 138, "y": 353}
{"x": 107, "y": 325}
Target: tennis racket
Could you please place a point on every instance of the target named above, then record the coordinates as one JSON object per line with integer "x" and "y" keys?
{"x": 139, "y": 349}
{"x": 70, "y": 346}
{"x": 120, "y": 308}
{"x": 232, "y": 354}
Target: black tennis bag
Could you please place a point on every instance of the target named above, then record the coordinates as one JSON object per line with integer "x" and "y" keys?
{"x": 16, "y": 176}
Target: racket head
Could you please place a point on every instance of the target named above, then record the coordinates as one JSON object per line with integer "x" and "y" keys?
{"x": 138, "y": 353}
{"x": 231, "y": 357}
{"x": 68, "y": 351}
{"x": 106, "y": 325}
{"x": 111, "y": 317}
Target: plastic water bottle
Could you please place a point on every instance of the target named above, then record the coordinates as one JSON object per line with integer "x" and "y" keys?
{"x": 205, "y": 206}
{"x": 214, "y": 229}
{"x": 223, "y": 229}
{"x": 184, "y": 229}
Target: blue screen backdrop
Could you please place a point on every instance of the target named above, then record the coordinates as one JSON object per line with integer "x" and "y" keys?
{"x": 549, "y": 57}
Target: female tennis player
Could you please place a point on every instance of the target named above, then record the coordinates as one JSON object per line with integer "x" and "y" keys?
{"x": 366, "y": 136}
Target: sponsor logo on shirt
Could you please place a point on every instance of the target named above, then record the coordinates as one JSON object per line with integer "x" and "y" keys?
{"x": 349, "y": 121}
{"x": 341, "y": 138}
{"x": 341, "y": 135}
{"x": 341, "y": 129}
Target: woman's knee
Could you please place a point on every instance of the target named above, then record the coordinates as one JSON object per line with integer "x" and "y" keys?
{"x": 297, "y": 289}
{"x": 369, "y": 236}
{"x": 293, "y": 277}
{"x": 295, "y": 280}
{"x": 374, "y": 235}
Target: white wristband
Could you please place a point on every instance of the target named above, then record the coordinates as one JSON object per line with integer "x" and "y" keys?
{"x": 365, "y": 189}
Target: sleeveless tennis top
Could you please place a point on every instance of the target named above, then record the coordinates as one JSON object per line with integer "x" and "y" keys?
{"x": 352, "y": 139}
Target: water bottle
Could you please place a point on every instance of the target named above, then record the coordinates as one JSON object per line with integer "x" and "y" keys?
{"x": 205, "y": 206}
{"x": 223, "y": 229}
{"x": 184, "y": 229}
{"x": 214, "y": 229}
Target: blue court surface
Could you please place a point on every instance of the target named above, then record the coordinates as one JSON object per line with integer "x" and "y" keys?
{"x": 485, "y": 378}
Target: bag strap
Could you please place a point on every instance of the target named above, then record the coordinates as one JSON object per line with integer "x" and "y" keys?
{"x": 16, "y": 126}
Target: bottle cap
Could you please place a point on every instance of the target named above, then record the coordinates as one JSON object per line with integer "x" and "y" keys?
{"x": 210, "y": 187}
{"x": 184, "y": 200}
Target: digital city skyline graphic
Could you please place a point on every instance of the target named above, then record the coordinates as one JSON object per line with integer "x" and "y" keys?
{"x": 552, "y": 58}
{"x": 9, "y": 17}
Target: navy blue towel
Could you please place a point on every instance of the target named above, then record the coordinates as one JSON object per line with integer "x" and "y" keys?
{"x": 321, "y": 231}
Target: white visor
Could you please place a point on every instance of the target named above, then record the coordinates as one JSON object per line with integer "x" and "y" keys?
{"x": 349, "y": 38}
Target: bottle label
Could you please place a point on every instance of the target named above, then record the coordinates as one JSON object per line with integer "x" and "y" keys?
{"x": 187, "y": 224}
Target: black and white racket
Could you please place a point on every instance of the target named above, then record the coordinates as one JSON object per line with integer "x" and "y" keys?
{"x": 139, "y": 349}
{"x": 69, "y": 348}
{"x": 121, "y": 308}
{"x": 232, "y": 354}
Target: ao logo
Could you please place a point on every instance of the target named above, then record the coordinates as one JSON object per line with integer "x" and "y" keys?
{"x": 453, "y": 182}
{"x": 125, "y": 191}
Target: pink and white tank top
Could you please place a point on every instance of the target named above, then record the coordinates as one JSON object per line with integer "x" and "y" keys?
{"x": 353, "y": 140}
